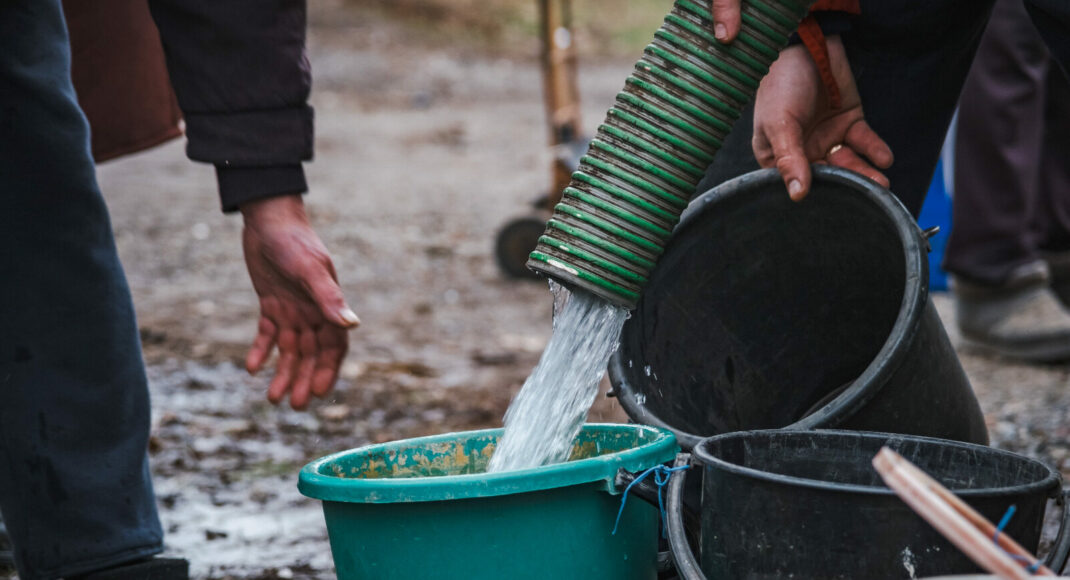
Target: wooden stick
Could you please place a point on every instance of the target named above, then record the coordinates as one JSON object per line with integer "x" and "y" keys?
{"x": 961, "y": 526}
{"x": 1006, "y": 542}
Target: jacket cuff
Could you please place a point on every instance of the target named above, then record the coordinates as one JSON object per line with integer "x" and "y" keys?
{"x": 238, "y": 185}
{"x": 251, "y": 138}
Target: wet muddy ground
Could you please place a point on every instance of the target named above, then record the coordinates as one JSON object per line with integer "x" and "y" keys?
{"x": 423, "y": 152}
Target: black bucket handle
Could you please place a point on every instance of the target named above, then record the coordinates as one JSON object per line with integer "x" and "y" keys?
{"x": 686, "y": 564}
{"x": 688, "y": 568}
{"x": 1060, "y": 550}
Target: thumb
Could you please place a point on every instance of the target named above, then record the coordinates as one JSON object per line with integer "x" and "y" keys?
{"x": 329, "y": 299}
{"x": 726, "y": 20}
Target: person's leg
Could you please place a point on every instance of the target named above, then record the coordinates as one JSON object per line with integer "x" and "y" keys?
{"x": 1052, "y": 215}
{"x": 1003, "y": 298}
{"x": 74, "y": 481}
{"x": 998, "y": 151}
{"x": 909, "y": 60}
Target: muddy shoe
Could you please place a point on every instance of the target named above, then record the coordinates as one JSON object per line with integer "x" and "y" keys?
{"x": 150, "y": 569}
{"x": 1059, "y": 266}
{"x": 1021, "y": 318}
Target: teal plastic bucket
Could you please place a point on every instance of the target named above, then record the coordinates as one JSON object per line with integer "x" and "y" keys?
{"x": 425, "y": 508}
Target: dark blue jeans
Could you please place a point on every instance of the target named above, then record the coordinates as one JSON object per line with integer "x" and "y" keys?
{"x": 74, "y": 412}
{"x": 910, "y": 60}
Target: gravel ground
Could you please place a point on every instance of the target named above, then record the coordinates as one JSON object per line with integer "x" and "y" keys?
{"x": 423, "y": 152}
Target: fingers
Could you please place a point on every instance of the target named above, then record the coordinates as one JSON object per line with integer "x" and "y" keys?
{"x": 302, "y": 385}
{"x": 726, "y": 20}
{"x": 333, "y": 343}
{"x": 328, "y": 296}
{"x": 311, "y": 352}
{"x": 286, "y": 368}
{"x": 262, "y": 345}
{"x": 866, "y": 142}
{"x": 846, "y": 157}
{"x": 781, "y": 146}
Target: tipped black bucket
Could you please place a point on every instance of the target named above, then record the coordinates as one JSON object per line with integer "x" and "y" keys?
{"x": 764, "y": 313}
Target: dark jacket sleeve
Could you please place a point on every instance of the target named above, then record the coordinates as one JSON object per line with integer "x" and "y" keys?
{"x": 1052, "y": 19}
{"x": 242, "y": 79}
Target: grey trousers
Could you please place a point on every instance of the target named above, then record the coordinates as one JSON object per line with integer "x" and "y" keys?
{"x": 1012, "y": 154}
{"x": 74, "y": 411}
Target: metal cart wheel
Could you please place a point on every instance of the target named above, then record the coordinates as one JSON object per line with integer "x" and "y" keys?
{"x": 514, "y": 242}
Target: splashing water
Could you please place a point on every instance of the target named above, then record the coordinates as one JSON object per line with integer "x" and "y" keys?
{"x": 547, "y": 414}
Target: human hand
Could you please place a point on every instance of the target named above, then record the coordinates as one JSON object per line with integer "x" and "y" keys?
{"x": 794, "y": 125}
{"x": 302, "y": 309}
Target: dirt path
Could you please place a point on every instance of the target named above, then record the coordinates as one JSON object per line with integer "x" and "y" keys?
{"x": 422, "y": 154}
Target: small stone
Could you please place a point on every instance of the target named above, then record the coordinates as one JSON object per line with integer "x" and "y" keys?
{"x": 200, "y": 231}
{"x": 522, "y": 343}
{"x": 335, "y": 412}
{"x": 167, "y": 419}
{"x": 206, "y": 307}
{"x": 433, "y": 415}
{"x": 492, "y": 359}
{"x": 237, "y": 427}
{"x": 353, "y": 370}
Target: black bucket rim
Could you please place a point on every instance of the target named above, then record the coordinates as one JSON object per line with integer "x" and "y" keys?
{"x": 864, "y": 387}
{"x": 1050, "y": 484}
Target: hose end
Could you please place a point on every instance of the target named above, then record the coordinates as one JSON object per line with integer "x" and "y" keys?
{"x": 573, "y": 277}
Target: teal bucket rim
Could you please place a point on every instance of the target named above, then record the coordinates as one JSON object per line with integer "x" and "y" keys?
{"x": 314, "y": 484}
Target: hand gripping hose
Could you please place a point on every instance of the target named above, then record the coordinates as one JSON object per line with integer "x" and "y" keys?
{"x": 648, "y": 156}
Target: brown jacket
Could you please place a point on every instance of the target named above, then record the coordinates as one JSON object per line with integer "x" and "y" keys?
{"x": 119, "y": 72}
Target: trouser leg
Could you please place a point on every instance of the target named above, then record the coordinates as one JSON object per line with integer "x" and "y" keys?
{"x": 998, "y": 150}
{"x": 909, "y": 60}
{"x": 74, "y": 482}
{"x": 1052, "y": 213}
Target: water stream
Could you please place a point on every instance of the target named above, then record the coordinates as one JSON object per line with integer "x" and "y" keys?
{"x": 548, "y": 412}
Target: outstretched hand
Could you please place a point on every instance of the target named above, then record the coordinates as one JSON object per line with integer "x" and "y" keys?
{"x": 794, "y": 125}
{"x": 302, "y": 309}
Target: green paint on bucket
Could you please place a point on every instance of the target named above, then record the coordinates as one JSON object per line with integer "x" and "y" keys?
{"x": 424, "y": 508}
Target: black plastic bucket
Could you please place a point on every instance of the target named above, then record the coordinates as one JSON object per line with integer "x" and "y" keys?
{"x": 808, "y": 504}
{"x": 765, "y": 313}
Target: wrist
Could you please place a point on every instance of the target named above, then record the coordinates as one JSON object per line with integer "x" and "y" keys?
{"x": 284, "y": 207}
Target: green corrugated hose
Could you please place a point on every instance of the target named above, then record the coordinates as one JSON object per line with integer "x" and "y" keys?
{"x": 646, "y": 160}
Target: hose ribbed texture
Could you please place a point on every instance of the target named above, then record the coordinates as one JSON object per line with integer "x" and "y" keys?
{"x": 648, "y": 156}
